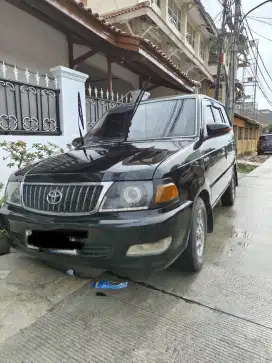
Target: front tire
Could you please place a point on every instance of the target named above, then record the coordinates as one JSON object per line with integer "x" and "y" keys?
{"x": 4, "y": 247}
{"x": 192, "y": 258}
{"x": 228, "y": 198}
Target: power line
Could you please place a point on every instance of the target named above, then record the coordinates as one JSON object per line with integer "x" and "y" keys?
{"x": 260, "y": 21}
{"x": 259, "y": 68}
{"x": 259, "y": 83}
{"x": 261, "y": 17}
{"x": 262, "y": 36}
{"x": 260, "y": 86}
{"x": 259, "y": 53}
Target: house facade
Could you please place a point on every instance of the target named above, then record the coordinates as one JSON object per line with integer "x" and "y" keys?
{"x": 51, "y": 50}
{"x": 182, "y": 28}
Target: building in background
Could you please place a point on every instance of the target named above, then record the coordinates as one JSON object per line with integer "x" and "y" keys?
{"x": 265, "y": 117}
{"x": 181, "y": 28}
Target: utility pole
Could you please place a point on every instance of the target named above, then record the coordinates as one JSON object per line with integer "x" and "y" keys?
{"x": 234, "y": 57}
{"x": 256, "y": 44}
{"x": 221, "y": 48}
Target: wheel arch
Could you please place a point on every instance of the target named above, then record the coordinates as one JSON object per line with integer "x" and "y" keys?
{"x": 205, "y": 196}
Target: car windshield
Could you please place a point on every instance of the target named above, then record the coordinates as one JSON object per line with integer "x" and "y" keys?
{"x": 151, "y": 120}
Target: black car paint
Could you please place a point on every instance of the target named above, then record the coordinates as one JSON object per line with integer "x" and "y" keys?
{"x": 264, "y": 144}
{"x": 196, "y": 164}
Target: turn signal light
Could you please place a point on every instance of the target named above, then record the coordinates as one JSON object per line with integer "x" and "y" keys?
{"x": 166, "y": 193}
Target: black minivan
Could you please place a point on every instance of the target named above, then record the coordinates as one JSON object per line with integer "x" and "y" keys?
{"x": 135, "y": 197}
{"x": 264, "y": 144}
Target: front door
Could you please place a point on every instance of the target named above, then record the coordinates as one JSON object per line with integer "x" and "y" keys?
{"x": 215, "y": 151}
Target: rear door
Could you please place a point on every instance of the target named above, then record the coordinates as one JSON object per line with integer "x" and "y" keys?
{"x": 215, "y": 150}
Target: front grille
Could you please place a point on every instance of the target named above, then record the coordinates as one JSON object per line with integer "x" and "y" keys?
{"x": 61, "y": 198}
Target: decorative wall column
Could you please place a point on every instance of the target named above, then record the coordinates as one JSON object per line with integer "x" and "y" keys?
{"x": 164, "y": 10}
{"x": 207, "y": 53}
{"x": 70, "y": 83}
{"x": 184, "y": 12}
{"x": 197, "y": 41}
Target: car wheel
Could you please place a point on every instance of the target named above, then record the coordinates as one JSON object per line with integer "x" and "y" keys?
{"x": 192, "y": 258}
{"x": 4, "y": 247}
{"x": 228, "y": 198}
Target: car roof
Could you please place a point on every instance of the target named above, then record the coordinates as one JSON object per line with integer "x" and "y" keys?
{"x": 168, "y": 98}
{"x": 177, "y": 97}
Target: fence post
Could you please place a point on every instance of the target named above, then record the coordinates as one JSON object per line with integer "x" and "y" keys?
{"x": 70, "y": 83}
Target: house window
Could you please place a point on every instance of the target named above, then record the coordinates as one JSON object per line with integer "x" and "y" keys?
{"x": 246, "y": 133}
{"x": 202, "y": 49}
{"x": 174, "y": 14}
{"x": 156, "y": 2}
{"x": 239, "y": 133}
{"x": 190, "y": 36}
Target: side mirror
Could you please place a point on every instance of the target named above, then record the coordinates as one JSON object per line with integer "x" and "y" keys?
{"x": 76, "y": 143}
{"x": 216, "y": 129}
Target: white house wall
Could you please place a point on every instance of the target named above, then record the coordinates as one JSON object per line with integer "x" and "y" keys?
{"x": 28, "y": 42}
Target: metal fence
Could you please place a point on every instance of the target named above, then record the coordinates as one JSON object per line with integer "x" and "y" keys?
{"x": 99, "y": 102}
{"x": 26, "y": 107}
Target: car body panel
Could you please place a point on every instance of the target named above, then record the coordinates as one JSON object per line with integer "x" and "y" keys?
{"x": 195, "y": 164}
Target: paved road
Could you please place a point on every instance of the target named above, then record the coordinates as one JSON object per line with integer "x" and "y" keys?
{"x": 223, "y": 314}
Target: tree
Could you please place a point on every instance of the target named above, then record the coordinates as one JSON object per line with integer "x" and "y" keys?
{"x": 20, "y": 156}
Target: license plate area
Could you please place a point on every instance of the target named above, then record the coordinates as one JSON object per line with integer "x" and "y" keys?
{"x": 57, "y": 242}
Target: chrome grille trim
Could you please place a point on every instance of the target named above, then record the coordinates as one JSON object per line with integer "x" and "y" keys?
{"x": 94, "y": 194}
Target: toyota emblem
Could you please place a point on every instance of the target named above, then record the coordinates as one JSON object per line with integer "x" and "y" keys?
{"x": 54, "y": 197}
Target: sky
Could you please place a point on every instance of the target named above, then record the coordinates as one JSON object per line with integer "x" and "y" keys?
{"x": 213, "y": 7}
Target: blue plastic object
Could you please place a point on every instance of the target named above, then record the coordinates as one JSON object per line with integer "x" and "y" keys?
{"x": 109, "y": 285}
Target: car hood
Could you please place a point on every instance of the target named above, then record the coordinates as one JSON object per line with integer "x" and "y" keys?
{"x": 104, "y": 162}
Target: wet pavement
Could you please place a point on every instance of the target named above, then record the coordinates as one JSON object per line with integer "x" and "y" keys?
{"x": 222, "y": 314}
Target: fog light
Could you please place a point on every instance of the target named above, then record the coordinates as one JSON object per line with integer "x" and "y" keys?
{"x": 146, "y": 249}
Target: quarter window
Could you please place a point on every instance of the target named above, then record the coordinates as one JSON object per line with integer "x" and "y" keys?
{"x": 225, "y": 116}
{"x": 217, "y": 115}
{"x": 207, "y": 113}
{"x": 174, "y": 14}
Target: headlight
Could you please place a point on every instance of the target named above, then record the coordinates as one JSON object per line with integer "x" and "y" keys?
{"x": 128, "y": 196}
{"x": 12, "y": 193}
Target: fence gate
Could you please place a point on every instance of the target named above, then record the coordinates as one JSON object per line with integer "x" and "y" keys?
{"x": 28, "y": 105}
{"x": 98, "y": 102}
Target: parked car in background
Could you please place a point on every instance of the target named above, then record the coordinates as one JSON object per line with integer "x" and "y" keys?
{"x": 137, "y": 196}
{"x": 264, "y": 144}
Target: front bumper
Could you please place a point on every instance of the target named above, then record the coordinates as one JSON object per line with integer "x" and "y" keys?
{"x": 108, "y": 237}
